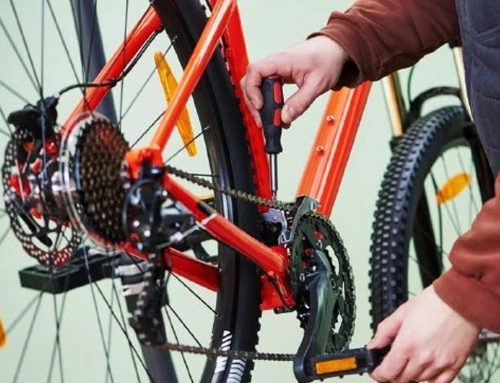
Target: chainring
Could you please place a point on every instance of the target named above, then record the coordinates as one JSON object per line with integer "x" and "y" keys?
{"x": 36, "y": 216}
{"x": 315, "y": 232}
{"x": 100, "y": 184}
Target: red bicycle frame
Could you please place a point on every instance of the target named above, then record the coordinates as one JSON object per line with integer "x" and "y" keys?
{"x": 321, "y": 178}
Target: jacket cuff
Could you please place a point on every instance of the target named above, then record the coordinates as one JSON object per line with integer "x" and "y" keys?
{"x": 470, "y": 298}
{"x": 360, "y": 52}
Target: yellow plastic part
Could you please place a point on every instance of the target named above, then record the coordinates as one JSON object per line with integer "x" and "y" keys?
{"x": 3, "y": 335}
{"x": 169, "y": 85}
{"x": 453, "y": 187}
{"x": 336, "y": 365}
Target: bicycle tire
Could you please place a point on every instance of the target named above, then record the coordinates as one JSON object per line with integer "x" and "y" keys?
{"x": 404, "y": 247}
{"x": 236, "y": 324}
{"x": 243, "y": 294}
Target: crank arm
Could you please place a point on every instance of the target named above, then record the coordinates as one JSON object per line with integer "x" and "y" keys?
{"x": 322, "y": 299}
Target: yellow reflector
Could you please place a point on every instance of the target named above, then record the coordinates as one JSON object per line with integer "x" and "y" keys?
{"x": 453, "y": 187}
{"x": 3, "y": 336}
{"x": 206, "y": 198}
{"x": 336, "y": 365}
{"x": 169, "y": 85}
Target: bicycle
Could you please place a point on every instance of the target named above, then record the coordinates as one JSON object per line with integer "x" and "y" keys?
{"x": 66, "y": 187}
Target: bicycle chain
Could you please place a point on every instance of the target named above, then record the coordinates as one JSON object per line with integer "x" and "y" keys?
{"x": 247, "y": 197}
{"x": 237, "y": 194}
{"x": 233, "y": 354}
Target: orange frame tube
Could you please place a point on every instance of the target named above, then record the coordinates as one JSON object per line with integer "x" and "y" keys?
{"x": 332, "y": 146}
{"x": 136, "y": 38}
{"x": 194, "y": 69}
{"x": 322, "y": 175}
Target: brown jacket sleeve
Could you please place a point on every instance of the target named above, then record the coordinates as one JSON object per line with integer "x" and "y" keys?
{"x": 382, "y": 36}
{"x": 472, "y": 285}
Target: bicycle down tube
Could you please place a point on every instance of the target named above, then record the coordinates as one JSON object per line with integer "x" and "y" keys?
{"x": 322, "y": 175}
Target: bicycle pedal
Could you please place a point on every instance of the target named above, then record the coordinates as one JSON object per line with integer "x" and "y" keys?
{"x": 347, "y": 362}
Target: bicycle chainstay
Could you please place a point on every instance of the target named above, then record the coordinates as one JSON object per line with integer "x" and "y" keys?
{"x": 247, "y": 197}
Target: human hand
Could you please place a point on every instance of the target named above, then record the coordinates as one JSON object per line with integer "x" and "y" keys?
{"x": 430, "y": 341}
{"x": 314, "y": 65}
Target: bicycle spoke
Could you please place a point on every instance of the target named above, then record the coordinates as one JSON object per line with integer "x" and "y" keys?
{"x": 56, "y": 348}
{"x": 177, "y": 341}
{"x": 7, "y": 125}
{"x": 453, "y": 204}
{"x": 124, "y": 324}
{"x": 4, "y": 234}
{"x": 180, "y": 150}
{"x": 63, "y": 41}
{"x": 17, "y": 53}
{"x": 23, "y": 38}
{"x": 146, "y": 131}
{"x": 110, "y": 327}
{"x": 471, "y": 174}
{"x": 450, "y": 217}
{"x": 123, "y": 330}
{"x": 194, "y": 293}
{"x": 24, "y": 311}
{"x": 143, "y": 86}
{"x": 27, "y": 339}
{"x": 42, "y": 44}
{"x": 123, "y": 54}
{"x": 96, "y": 308}
{"x": 186, "y": 327}
{"x": 15, "y": 93}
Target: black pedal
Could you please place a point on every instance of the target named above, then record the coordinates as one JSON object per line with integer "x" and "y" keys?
{"x": 356, "y": 361}
{"x": 70, "y": 276}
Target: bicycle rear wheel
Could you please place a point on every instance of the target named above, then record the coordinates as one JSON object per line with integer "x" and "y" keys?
{"x": 43, "y": 58}
{"x": 434, "y": 186}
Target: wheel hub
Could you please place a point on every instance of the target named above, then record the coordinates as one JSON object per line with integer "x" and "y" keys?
{"x": 31, "y": 181}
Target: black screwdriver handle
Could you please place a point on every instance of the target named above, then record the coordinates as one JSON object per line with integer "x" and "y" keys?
{"x": 272, "y": 90}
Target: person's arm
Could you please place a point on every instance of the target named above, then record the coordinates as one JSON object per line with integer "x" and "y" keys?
{"x": 372, "y": 39}
{"x": 472, "y": 286}
{"x": 383, "y": 36}
{"x": 432, "y": 334}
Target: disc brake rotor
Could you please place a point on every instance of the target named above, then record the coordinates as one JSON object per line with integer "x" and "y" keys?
{"x": 32, "y": 200}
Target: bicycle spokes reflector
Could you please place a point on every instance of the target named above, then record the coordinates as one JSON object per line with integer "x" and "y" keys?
{"x": 169, "y": 85}
{"x": 3, "y": 335}
{"x": 453, "y": 187}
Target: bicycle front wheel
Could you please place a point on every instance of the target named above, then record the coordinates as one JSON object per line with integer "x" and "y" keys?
{"x": 82, "y": 334}
{"x": 434, "y": 186}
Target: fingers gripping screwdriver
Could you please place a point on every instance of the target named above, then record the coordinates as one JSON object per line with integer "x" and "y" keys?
{"x": 270, "y": 114}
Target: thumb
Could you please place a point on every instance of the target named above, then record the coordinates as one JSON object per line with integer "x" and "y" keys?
{"x": 388, "y": 329}
{"x": 300, "y": 101}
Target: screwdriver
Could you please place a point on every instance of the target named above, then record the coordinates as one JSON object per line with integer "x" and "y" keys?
{"x": 270, "y": 114}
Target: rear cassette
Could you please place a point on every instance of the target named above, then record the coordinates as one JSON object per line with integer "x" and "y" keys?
{"x": 92, "y": 156}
